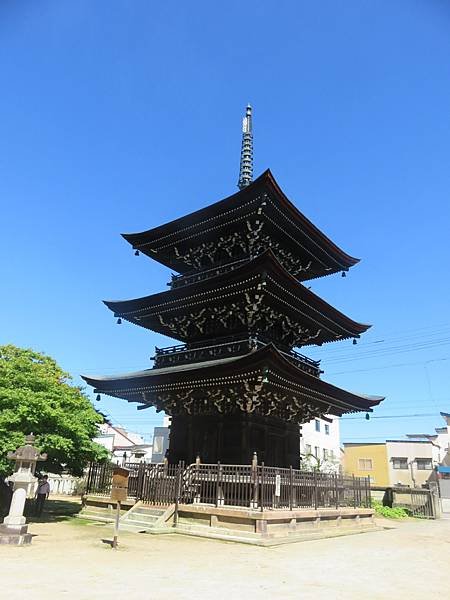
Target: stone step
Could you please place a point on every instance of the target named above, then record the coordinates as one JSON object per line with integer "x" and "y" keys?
{"x": 135, "y": 516}
{"x": 138, "y": 523}
{"x": 146, "y": 518}
{"x": 143, "y": 510}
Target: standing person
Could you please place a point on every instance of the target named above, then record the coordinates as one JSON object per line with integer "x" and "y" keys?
{"x": 42, "y": 492}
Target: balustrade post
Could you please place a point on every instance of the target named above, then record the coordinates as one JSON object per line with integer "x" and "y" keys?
{"x": 315, "y": 489}
{"x": 180, "y": 469}
{"x": 140, "y": 482}
{"x": 254, "y": 481}
{"x": 262, "y": 490}
{"x": 197, "y": 496}
{"x": 89, "y": 478}
{"x": 336, "y": 490}
{"x": 219, "y": 493}
{"x": 291, "y": 487}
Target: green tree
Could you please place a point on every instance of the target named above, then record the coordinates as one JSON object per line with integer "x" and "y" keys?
{"x": 37, "y": 396}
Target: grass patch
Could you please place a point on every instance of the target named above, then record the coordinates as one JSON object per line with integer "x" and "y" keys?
{"x": 389, "y": 513}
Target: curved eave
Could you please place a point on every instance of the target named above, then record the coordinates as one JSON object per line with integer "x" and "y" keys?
{"x": 264, "y": 263}
{"x": 347, "y": 260}
{"x": 143, "y": 240}
{"x": 132, "y": 385}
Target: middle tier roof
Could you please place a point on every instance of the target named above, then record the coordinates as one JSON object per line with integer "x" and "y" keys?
{"x": 260, "y": 298}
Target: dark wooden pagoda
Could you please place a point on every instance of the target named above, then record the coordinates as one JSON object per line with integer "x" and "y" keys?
{"x": 236, "y": 385}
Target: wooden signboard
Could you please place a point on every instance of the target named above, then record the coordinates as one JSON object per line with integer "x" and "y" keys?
{"x": 119, "y": 489}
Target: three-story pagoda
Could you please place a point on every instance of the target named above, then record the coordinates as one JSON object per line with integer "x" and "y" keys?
{"x": 236, "y": 385}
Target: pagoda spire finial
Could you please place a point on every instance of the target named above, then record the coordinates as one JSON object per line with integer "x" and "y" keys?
{"x": 246, "y": 166}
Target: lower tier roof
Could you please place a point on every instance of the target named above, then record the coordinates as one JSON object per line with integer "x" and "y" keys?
{"x": 263, "y": 381}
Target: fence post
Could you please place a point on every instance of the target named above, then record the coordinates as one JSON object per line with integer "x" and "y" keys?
{"x": 262, "y": 490}
{"x": 140, "y": 482}
{"x": 197, "y": 496}
{"x": 177, "y": 492}
{"x": 219, "y": 472}
{"x": 89, "y": 477}
{"x": 315, "y": 489}
{"x": 291, "y": 487}
{"x": 336, "y": 490}
{"x": 354, "y": 491}
{"x": 254, "y": 481}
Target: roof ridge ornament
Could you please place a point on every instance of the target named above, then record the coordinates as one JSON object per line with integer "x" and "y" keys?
{"x": 246, "y": 164}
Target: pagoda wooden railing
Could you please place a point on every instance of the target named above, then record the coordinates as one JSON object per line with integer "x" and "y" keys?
{"x": 189, "y": 353}
{"x": 200, "y": 275}
{"x": 253, "y": 486}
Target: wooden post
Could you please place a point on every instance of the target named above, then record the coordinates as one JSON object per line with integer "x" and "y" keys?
{"x": 254, "y": 480}
{"x": 315, "y": 489}
{"x": 180, "y": 469}
{"x": 116, "y": 527}
{"x": 291, "y": 488}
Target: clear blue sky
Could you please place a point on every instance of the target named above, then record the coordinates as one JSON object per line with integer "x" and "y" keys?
{"x": 117, "y": 116}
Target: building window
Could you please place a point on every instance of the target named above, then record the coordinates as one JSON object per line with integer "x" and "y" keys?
{"x": 325, "y": 454}
{"x": 327, "y": 429}
{"x": 316, "y": 451}
{"x": 399, "y": 463}
{"x": 308, "y": 448}
{"x": 365, "y": 464}
{"x": 424, "y": 464}
{"x": 317, "y": 425}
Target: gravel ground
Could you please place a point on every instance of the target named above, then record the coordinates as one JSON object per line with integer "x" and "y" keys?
{"x": 68, "y": 559}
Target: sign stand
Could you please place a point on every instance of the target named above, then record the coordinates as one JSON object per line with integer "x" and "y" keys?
{"x": 116, "y": 527}
{"x": 119, "y": 491}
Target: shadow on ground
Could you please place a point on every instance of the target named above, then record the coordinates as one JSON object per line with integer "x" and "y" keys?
{"x": 54, "y": 511}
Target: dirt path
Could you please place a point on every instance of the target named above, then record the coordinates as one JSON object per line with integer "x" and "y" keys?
{"x": 69, "y": 560}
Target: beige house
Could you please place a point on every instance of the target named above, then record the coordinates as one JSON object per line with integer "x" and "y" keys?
{"x": 394, "y": 462}
{"x": 410, "y": 462}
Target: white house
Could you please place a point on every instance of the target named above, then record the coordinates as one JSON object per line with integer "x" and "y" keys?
{"x": 440, "y": 440}
{"x": 123, "y": 445}
{"x": 320, "y": 439}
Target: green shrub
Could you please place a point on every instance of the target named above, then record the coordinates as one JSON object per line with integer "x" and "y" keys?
{"x": 388, "y": 513}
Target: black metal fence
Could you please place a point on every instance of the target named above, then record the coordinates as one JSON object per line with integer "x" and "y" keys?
{"x": 254, "y": 486}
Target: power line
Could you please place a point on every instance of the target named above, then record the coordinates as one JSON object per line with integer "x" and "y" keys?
{"x": 391, "y": 366}
{"x": 391, "y": 416}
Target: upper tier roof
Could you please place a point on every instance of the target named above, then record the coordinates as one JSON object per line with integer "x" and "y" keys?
{"x": 244, "y": 224}
{"x": 260, "y": 297}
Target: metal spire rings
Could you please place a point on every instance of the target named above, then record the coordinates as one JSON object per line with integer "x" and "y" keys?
{"x": 246, "y": 166}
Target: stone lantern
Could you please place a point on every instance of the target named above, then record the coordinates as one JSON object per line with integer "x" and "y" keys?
{"x": 14, "y": 528}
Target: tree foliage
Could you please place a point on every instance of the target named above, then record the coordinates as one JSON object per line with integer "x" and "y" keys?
{"x": 37, "y": 396}
{"x": 310, "y": 462}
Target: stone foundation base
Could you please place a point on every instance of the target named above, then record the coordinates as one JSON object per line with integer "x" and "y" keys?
{"x": 15, "y": 536}
{"x": 271, "y": 527}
